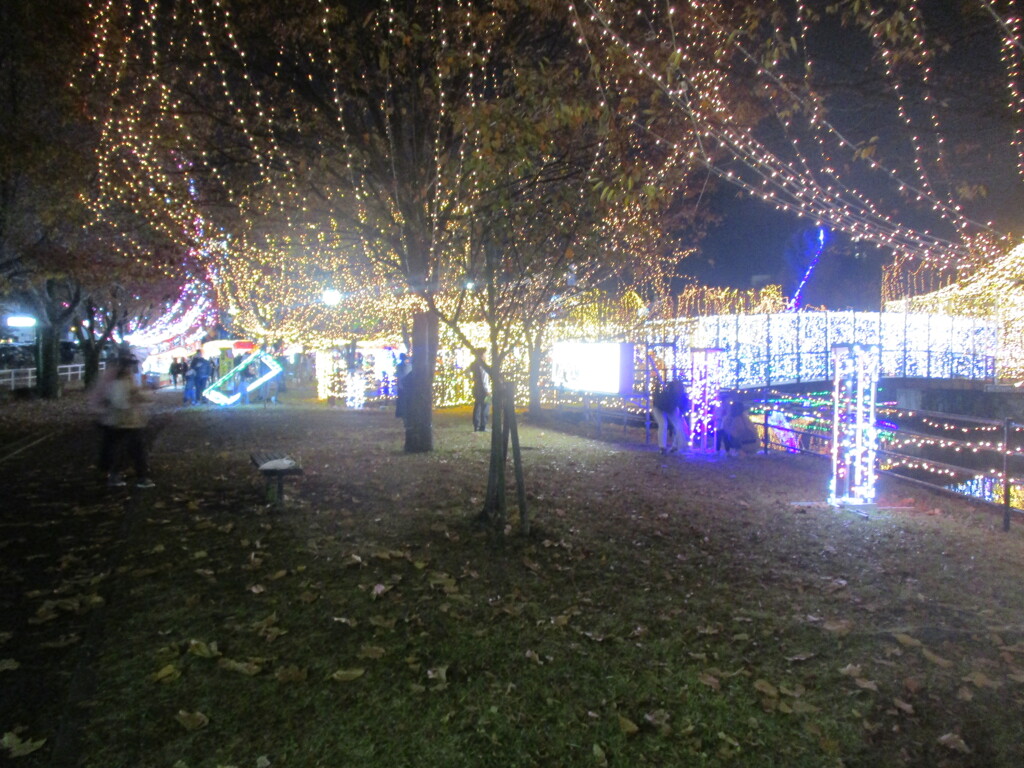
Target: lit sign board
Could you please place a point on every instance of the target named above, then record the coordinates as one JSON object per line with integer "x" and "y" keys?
{"x": 603, "y": 367}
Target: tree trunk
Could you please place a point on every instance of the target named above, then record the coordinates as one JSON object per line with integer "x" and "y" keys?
{"x": 47, "y": 360}
{"x": 90, "y": 363}
{"x": 495, "y": 501}
{"x": 419, "y": 412}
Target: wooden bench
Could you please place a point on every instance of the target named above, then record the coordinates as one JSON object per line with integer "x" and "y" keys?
{"x": 275, "y": 466}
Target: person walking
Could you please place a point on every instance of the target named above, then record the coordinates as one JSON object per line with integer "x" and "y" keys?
{"x": 671, "y": 405}
{"x": 202, "y": 369}
{"x": 481, "y": 390}
{"x": 122, "y": 406}
{"x": 175, "y": 371}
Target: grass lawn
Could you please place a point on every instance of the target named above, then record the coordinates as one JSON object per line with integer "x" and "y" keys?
{"x": 666, "y": 611}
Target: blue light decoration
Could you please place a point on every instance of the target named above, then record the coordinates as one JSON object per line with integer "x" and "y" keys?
{"x": 817, "y": 249}
{"x": 854, "y": 432}
{"x": 214, "y": 395}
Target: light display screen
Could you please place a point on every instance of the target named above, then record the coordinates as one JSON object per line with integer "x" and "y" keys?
{"x": 600, "y": 367}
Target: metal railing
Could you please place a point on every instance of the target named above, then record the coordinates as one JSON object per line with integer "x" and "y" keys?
{"x": 924, "y": 447}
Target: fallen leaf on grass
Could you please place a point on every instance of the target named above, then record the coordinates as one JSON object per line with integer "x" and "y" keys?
{"x": 203, "y": 650}
{"x": 766, "y": 688}
{"x": 851, "y": 670}
{"x": 804, "y": 656}
{"x": 903, "y": 706}
{"x": 248, "y": 668}
{"x": 61, "y": 642}
{"x": 907, "y": 640}
{"x": 347, "y": 675}
{"x": 840, "y": 627}
{"x": 167, "y": 674}
{"x": 370, "y": 652}
{"x": 192, "y": 721}
{"x": 954, "y": 742}
{"x": 965, "y": 694}
{"x": 709, "y": 680}
{"x": 981, "y": 680}
{"x": 627, "y": 726}
{"x": 867, "y": 685}
{"x": 599, "y": 756}
{"x": 659, "y": 719}
{"x": 936, "y": 659}
{"x": 290, "y": 674}
{"x": 18, "y": 747}
{"x": 8, "y": 664}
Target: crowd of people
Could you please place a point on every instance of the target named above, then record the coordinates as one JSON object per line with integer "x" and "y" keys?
{"x": 734, "y": 432}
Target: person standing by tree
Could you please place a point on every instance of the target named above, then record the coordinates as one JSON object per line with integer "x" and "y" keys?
{"x": 481, "y": 390}
{"x": 670, "y": 407}
{"x": 402, "y": 371}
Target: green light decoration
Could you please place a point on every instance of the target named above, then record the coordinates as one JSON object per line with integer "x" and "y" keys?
{"x": 213, "y": 393}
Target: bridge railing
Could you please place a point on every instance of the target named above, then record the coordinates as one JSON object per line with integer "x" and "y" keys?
{"x": 982, "y": 459}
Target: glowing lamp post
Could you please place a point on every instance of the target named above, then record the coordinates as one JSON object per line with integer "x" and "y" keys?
{"x": 854, "y": 435}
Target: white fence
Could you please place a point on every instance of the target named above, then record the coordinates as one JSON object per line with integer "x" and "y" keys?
{"x": 25, "y": 378}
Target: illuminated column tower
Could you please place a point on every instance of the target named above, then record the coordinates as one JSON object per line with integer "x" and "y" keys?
{"x": 705, "y": 383}
{"x": 854, "y": 435}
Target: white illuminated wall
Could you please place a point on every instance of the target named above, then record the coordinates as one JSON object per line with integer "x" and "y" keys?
{"x": 789, "y": 347}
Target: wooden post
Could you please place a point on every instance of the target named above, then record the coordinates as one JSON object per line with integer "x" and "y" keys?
{"x": 517, "y": 459}
{"x": 1006, "y": 475}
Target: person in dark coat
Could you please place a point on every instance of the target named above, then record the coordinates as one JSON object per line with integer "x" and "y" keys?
{"x": 740, "y": 433}
{"x": 481, "y": 390}
{"x": 402, "y": 371}
{"x": 202, "y": 368}
{"x": 671, "y": 406}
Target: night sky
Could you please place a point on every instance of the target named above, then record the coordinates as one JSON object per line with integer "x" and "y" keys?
{"x": 756, "y": 244}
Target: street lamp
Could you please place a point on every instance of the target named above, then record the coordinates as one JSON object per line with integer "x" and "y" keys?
{"x": 331, "y": 297}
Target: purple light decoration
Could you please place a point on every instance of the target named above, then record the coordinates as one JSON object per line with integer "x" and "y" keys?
{"x": 794, "y": 303}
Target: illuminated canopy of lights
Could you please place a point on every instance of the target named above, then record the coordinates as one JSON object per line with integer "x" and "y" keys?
{"x": 803, "y": 175}
{"x": 182, "y": 325}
